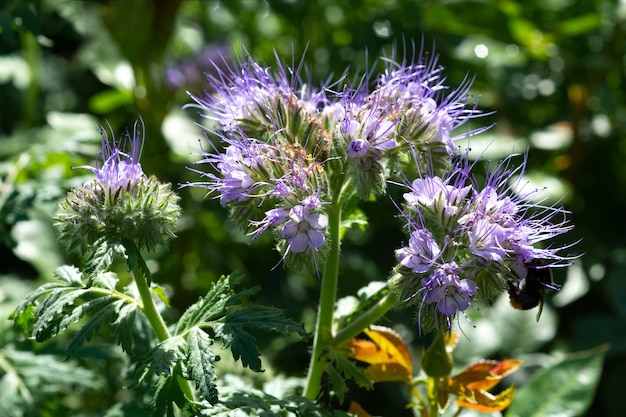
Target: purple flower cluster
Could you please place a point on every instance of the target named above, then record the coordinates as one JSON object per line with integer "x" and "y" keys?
{"x": 467, "y": 242}
{"x": 287, "y": 149}
{"x": 118, "y": 166}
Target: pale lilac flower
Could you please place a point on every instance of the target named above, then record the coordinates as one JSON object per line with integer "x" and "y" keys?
{"x": 487, "y": 239}
{"x": 239, "y": 171}
{"x": 357, "y": 148}
{"x": 414, "y": 92}
{"x": 249, "y": 94}
{"x": 304, "y": 229}
{"x": 118, "y": 164}
{"x": 493, "y": 232}
{"x": 447, "y": 291}
{"x": 421, "y": 253}
{"x": 434, "y": 194}
{"x": 273, "y": 218}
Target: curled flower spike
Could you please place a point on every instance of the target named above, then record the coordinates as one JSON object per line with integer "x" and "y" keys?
{"x": 491, "y": 232}
{"x": 120, "y": 204}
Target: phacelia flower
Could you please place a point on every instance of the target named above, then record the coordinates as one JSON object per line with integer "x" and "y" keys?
{"x": 277, "y": 140}
{"x": 120, "y": 204}
{"x": 492, "y": 233}
{"x": 304, "y": 230}
{"x": 118, "y": 167}
{"x": 447, "y": 291}
{"x": 422, "y": 252}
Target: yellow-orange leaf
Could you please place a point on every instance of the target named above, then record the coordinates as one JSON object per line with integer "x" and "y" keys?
{"x": 357, "y": 410}
{"x": 368, "y": 351}
{"x": 391, "y": 342}
{"x": 484, "y": 374}
{"x": 386, "y": 372}
{"x": 386, "y": 353}
{"x": 487, "y": 403}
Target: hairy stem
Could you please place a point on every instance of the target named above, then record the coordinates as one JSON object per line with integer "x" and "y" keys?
{"x": 156, "y": 321}
{"x": 323, "y": 338}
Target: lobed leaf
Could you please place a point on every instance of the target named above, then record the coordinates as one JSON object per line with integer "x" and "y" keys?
{"x": 208, "y": 308}
{"x": 241, "y": 344}
{"x": 101, "y": 256}
{"x": 166, "y": 355}
{"x": 124, "y": 325}
{"x": 200, "y": 362}
{"x": 351, "y": 371}
{"x": 104, "y": 312}
{"x": 338, "y": 383}
{"x": 564, "y": 389}
{"x": 265, "y": 318}
{"x": 485, "y": 402}
{"x": 69, "y": 274}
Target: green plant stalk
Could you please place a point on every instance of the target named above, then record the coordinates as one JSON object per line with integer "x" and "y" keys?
{"x": 32, "y": 54}
{"x": 323, "y": 338}
{"x": 158, "y": 324}
{"x": 369, "y": 317}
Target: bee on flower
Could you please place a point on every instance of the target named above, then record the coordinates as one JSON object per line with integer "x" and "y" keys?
{"x": 468, "y": 242}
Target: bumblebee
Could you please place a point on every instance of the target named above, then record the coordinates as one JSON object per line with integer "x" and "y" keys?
{"x": 529, "y": 292}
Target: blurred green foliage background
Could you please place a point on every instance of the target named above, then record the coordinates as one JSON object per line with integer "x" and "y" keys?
{"x": 552, "y": 70}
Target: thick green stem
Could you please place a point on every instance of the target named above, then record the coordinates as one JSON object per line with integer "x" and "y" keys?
{"x": 323, "y": 338}
{"x": 149, "y": 307}
{"x": 158, "y": 324}
{"x": 369, "y": 317}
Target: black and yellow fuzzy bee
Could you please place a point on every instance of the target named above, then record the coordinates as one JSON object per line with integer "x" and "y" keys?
{"x": 529, "y": 292}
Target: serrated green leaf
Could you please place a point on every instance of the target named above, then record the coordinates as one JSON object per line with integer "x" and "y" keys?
{"x": 160, "y": 293}
{"x": 124, "y": 326}
{"x": 30, "y": 377}
{"x": 79, "y": 311}
{"x": 241, "y": 342}
{"x": 564, "y": 389}
{"x": 14, "y": 396}
{"x": 213, "y": 306}
{"x": 200, "y": 362}
{"x": 101, "y": 256}
{"x": 242, "y": 346}
{"x": 207, "y": 308}
{"x": 264, "y": 318}
{"x": 50, "y": 319}
{"x": 166, "y": 390}
{"x": 106, "y": 280}
{"x": 338, "y": 383}
{"x": 135, "y": 260}
{"x": 103, "y": 315}
{"x": 166, "y": 355}
{"x": 70, "y": 274}
{"x": 350, "y": 370}
{"x": 241, "y": 296}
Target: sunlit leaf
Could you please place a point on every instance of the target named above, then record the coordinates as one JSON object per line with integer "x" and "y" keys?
{"x": 471, "y": 385}
{"x": 486, "y": 402}
{"x": 563, "y": 389}
{"x": 200, "y": 362}
{"x": 485, "y": 374}
{"x": 391, "y": 342}
{"x": 386, "y": 353}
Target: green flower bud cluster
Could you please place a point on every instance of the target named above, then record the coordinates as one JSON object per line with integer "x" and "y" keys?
{"x": 121, "y": 204}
